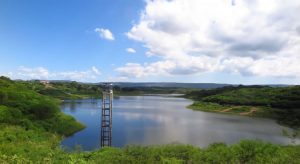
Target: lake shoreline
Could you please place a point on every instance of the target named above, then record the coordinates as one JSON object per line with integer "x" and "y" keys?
{"x": 138, "y": 115}
{"x": 241, "y": 110}
{"x": 238, "y": 110}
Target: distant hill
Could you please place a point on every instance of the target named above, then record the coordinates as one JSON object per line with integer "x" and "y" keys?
{"x": 164, "y": 84}
{"x": 180, "y": 85}
{"x": 170, "y": 85}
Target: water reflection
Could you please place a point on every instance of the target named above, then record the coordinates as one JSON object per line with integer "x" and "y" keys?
{"x": 161, "y": 120}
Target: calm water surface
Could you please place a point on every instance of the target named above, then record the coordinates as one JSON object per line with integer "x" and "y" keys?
{"x": 150, "y": 120}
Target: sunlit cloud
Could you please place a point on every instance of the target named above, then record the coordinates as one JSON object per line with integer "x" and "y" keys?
{"x": 105, "y": 33}
{"x": 249, "y": 38}
{"x": 96, "y": 71}
{"x": 130, "y": 50}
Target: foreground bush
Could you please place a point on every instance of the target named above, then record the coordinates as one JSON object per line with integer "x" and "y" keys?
{"x": 18, "y": 145}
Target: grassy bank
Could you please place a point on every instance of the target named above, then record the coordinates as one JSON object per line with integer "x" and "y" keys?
{"x": 256, "y": 111}
{"x": 282, "y": 104}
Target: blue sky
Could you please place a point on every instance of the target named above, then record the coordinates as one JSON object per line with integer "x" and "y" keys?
{"x": 136, "y": 40}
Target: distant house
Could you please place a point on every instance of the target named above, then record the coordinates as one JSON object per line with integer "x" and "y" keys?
{"x": 44, "y": 82}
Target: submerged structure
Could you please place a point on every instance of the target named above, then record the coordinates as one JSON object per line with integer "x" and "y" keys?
{"x": 106, "y": 118}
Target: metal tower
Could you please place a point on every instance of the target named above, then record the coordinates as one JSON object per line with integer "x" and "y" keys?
{"x": 106, "y": 121}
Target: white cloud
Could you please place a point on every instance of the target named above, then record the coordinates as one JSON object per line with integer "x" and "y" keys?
{"x": 105, "y": 33}
{"x": 118, "y": 79}
{"x": 96, "y": 71}
{"x": 130, "y": 50}
{"x": 34, "y": 73}
{"x": 44, "y": 74}
{"x": 257, "y": 38}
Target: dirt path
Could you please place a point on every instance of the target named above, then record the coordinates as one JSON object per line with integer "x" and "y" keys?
{"x": 226, "y": 110}
{"x": 253, "y": 109}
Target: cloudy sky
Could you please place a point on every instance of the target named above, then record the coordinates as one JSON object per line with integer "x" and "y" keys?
{"x": 221, "y": 41}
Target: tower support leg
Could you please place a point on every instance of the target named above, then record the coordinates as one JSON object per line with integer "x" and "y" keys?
{"x": 106, "y": 119}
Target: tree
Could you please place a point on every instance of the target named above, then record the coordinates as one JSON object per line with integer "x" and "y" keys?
{"x": 44, "y": 109}
{"x": 3, "y": 97}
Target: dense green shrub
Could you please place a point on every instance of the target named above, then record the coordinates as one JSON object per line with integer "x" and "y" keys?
{"x": 61, "y": 124}
{"x": 9, "y": 115}
{"x": 259, "y": 152}
{"x": 44, "y": 109}
{"x": 19, "y": 105}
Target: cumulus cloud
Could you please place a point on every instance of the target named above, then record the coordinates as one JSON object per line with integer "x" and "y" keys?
{"x": 130, "y": 50}
{"x": 44, "y": 74}
{"x": 257, "y": 38}
{"x": 95, "y": 70}
{"x": 33, "y": 73}
{"x": 105, "y": 33}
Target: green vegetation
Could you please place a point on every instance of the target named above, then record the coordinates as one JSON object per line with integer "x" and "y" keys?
{"x": 65, "y": 89}
{"x": 257, "y": 111}
{"x": 208, "y": 106}
{"x": 281, "y": 103}
{"x": 30, "y": 110}
{"x": 18, "y": 145}
{"x": 32, "y": 126}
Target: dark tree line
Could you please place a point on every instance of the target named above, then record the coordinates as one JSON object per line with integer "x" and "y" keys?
{"x": 285, "y": 101}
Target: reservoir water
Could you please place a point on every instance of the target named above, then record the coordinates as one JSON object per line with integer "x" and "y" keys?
{"x": 153, "y": 120}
